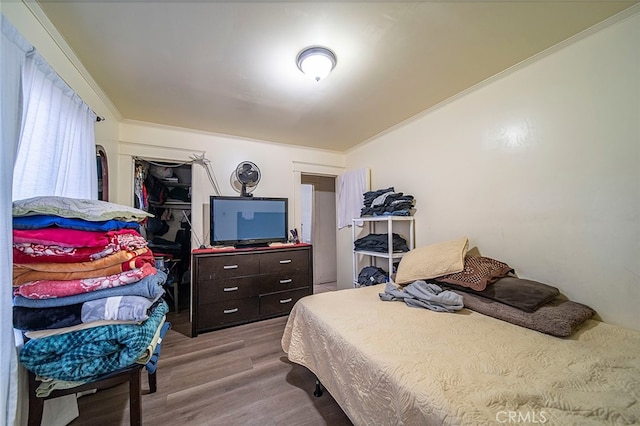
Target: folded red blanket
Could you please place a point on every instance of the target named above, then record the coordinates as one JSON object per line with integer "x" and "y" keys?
{"x": 25, "y": 275}
{"x": 113, "y": 259}
{"x": 42, "y": 253}
{"x": 49, "y": 289}
{"x": 68, "y": 237}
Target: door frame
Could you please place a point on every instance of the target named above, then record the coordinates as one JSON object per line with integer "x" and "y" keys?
{"x": 313, "y": 169}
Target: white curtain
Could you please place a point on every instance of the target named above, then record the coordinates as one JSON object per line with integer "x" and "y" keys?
{"x": 47, "y": 148}
{"x": 350, "y": 186}
{"x": 13, "y": 48}
{"x": 57, "y": 153}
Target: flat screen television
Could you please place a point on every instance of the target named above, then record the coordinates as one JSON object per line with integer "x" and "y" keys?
{"x": 248, "y": 221}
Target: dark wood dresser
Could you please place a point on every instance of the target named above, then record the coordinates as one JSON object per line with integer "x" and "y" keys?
{"x": 233, "y": 287}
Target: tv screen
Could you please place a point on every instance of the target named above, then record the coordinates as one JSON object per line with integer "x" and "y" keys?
{"x": 248, "y": 221}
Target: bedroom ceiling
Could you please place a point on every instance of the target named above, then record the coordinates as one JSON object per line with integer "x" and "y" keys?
{"x": 229, "y": 67}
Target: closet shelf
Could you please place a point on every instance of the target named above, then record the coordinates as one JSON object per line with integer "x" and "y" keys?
{"x": 393, "y": 255}
{"x": 181, "y": 205}
{"x": 176, "y": 184}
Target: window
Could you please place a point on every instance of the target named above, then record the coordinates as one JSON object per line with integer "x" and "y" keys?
{"x": 56, "y": 148}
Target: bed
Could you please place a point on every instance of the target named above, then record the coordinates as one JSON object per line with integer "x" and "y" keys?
{"x": 386, "y": 363}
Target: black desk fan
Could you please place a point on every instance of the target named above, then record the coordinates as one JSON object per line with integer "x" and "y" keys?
{"x": 245, "y": 178}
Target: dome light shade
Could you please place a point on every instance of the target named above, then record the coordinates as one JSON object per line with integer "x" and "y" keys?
{"x": 316, "y": 62}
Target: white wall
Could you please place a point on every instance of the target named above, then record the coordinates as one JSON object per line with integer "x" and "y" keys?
{"x": 539, "y": 168}
{"x": 279, "y": 164}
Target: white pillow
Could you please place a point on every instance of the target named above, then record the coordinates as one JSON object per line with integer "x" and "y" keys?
{"x": 92, "y": 210}
{"x": 432, "y": 261}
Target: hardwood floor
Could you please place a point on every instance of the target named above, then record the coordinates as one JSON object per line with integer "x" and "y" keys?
{"x": 320, "y": 288}
{"x": 235, "y": 376}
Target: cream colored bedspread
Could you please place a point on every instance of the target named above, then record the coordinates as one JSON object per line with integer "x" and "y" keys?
{"x": 386, "y": 363}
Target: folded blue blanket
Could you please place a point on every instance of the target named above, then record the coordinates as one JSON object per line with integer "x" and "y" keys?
{"x": 44, "y": 221}
{"x": 84, "y": 355}
{"x": 149, "y": 287}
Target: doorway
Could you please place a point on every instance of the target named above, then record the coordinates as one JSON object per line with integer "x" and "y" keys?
{"x": 318, "y": 227}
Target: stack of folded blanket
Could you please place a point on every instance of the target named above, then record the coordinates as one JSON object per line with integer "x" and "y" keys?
{"x": 380, "y": 243}
{"x": 86, "y": 290}
{"x": 386, "y": 202}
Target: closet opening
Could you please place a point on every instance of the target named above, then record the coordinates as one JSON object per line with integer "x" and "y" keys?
{"x": 163, "y": 188}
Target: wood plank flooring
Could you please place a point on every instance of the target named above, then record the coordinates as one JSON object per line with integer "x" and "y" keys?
{"x": 235, "y": 376}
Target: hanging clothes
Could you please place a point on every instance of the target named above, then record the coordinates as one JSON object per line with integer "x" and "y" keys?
{"x": 350, "y": 185}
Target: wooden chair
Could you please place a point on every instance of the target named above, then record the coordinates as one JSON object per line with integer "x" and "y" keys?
{"x": 130, "y": 374}
{"x": 168, "y": 264}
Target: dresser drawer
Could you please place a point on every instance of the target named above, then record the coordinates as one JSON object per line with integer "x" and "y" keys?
{"x": 240, "y": 286}
{"x": 282, "y": 302}
{"x": 228, "y": 289}
{"x": 282, "y": 281}
{"x": 212, "y": 268}
{"x": 284, "y": 261}
{"x": 228, "y": 312}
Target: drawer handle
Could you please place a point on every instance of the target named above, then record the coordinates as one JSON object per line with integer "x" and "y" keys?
{"x": 230, "y": 289}
{"x": 230, "y": 311}
{"x": 287, "y": 281}
{"x": 286, "y": 300}
{"x": 230, "y": 267}
{"x": 285, "y": 261}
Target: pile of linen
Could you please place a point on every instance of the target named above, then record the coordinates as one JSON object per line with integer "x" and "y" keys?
{"x": 386, "y": 202}
{"x": 86, "y": 290}
{"x": 380, "y": 243}
{"x": 447, "y": 275}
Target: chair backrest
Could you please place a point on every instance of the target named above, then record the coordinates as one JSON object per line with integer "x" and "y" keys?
{"x": 160, "y": 263}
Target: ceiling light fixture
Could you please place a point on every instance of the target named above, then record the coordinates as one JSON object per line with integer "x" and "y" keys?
{"x": 316, "y": 62}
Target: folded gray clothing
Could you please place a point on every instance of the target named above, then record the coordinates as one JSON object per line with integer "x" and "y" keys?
{"x": 381, "y": 199}
{"x": 122, "y": 308}
{"x": 369, "y": 196}
{"x": 424, "y": 295}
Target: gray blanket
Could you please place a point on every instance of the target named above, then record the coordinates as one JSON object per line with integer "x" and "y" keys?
{"x": 118, "y": 308}
{"x": 421, "y": 294}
